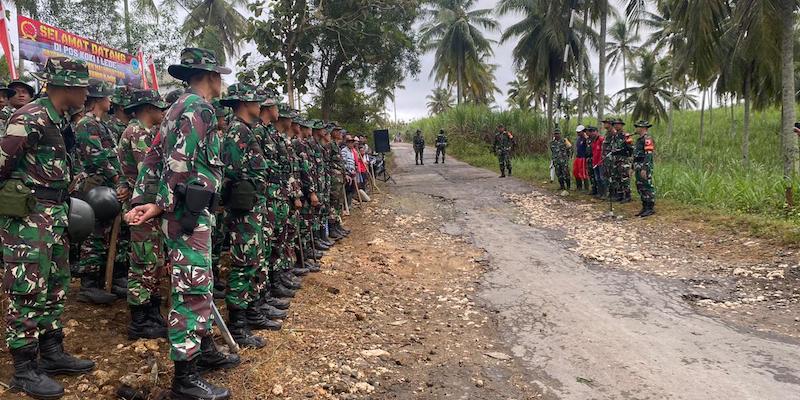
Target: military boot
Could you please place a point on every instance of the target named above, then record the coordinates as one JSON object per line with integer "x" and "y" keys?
{"x": 561, "y": 184}
{"x": 289, "y": 280}
{"x": 281, "y": 291}
{"x": 28, "y": 379}
{"x": 211, "y": 359}
{"x": 258, "y": 321}
{"x": 240, "y": 329}
{"x": 320, "y": 246}
{"x": 280, "y": 304}
{"x": 312, "y": 266}
{"x": 502, "y": 173}
{"x": 271, "y": 312}
{"x": 509, "y": 171}
{"x": 188, "y": 384}
{"x": 626, "y": 198}
{"x": 323, "y": 233}
{"x": 91, "y": 292}
{"x": 300, "y": 270}
{"x": 650, "y": 209}
{"x": 142, "y": 326}
{"x": 155, "y": 311}
{"x": 644, "y": 207}
{"x": 119, "y": 283}
{"x": 55, "y": 361}
{"x": 333, "y": 233}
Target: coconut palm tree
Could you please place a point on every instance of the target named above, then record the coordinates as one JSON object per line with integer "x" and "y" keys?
{"x": 589, "y": 98}
{"x": 214, "y": 24}
{"x": 650, "y": 98}
{"x": 440, "y": 100}
{"x": 519, "y": 93}
{"x": 621, "y": 48}
{"x": 453, "y": 30}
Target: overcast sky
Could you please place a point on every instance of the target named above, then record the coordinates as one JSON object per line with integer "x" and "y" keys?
{"x": 411, "y": 101}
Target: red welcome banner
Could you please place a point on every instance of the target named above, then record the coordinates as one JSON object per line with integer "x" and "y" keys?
{"x": 39, "y": 41}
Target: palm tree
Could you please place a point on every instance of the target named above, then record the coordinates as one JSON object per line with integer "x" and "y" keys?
{"x": 148, "y": 7}
{"x": 214, "y": 24}
{"x": 519, "y": 93}
{"x": 480, "y": 82}
{"x": 589, "y": 98}
{"x": 452, "y": 29}
{"x": 650, "y": 98}
{"x": 621, "y": 48}
{"x": 440, "y": 100}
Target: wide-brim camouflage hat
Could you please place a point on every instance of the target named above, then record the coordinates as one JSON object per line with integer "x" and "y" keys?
{"x": 241, "y": 92}
{"x": 270, "y": 97}
{"x": 99, "y": 89}
{"x": 284, "y": 111}
{"x": 618, "y": 121}
{"x": 64, "y": 72}
{"x": 305, "y": 123}
{"x": 7, "y": 90}
{"x": 607, "y": 120}
{"x": 23, "y": 85}
{"x": 643, "y": 124}
{"x": 146, "y": 96}
{"x": 194, "y": 59}
{"x": 317, "y": 124}
{"x": 122, "y": 96}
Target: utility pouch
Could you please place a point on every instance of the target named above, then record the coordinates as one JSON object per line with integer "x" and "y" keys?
{"x": 240, "y": 196}
{"x": 150, "y": 192}
{"x": 196, "y": 200}
{"x": 16, "y": 199}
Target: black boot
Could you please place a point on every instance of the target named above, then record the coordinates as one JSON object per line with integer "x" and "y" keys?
{"x": 312, "y": 266}
{"x": 28, "y": 379}
{"x": 509, "y": 171}
{"x": 240, "y": 330}
{"x": 211, "y": 359}
{"x": 91, "y": 292}
{"x": 626, "y": 198}
{"x": 271, "y": 312}
{"x": 55, "y": 361}
{"x": 289, "y": 280}
{"x": 325, "y": 238}
{"x": 141, "y": 325}
{"x": 502, "y": 173}
{"x": 298, "y": 270}
{"x": 280, "y": 304}
{"x": 333, "y": 233}
{"x": 650, "y": 210}
{"x": 119, "y": 283}
{"x": 187, "y": 384}
{"x": 561, "y": 184}
{"x": 155, "y": 311}
{"x": 258, "y": 321}
{"x": 644, "y": 207}
{"x": 319, "y": 245}
{"x": 281, "y": 291}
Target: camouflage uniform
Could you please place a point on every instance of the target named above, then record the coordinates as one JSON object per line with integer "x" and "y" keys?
{"x": 244, "y": 161}
{"x": 317, "y": 153}
{"x": 643, "y": 165}
{"x": 309, "y": 185}
{"x": 5, "y": 114}
{"x": 277, "y": 210}
{"x": 285, "y": 242}
{"x": 36, "y": 247}
{"x": 146, "y": 242}
{"x": 560, "y": 153}
{"x": 96, "y": 152}
{"x": 441, "y": 146}
{"x": 419, "y": 148}
{"x": 621, "y": 151}
{"x": 336, "y": 171}
{"x": 503, "y": 144}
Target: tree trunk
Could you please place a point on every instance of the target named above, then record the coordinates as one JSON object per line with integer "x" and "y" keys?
{"x": 625, "y": 81}
{"x": 671, "y": 122}
{"x": 746, "y": 123}
{"x": 581, "y": 71}
{"x": 128, "y": 28}
{"x": 601, "y": 101}
{"x": 459, "y": 82}
{"x": 702, "y": 115}
{"x": 550, "y": 100}
{"x": 289, "y": 78}
{"x": 789, "y": 138}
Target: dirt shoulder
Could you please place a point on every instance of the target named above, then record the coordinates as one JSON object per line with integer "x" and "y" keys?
{"x": 392, "y": 316}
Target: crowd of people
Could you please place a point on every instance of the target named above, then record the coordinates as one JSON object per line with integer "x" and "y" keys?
{"x": 173, "y": 183}
{"x": 602, "y": 165}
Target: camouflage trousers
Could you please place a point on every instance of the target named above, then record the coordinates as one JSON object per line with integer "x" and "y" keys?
{"x": 504, "y": 158}
{"x": 146, "y": 262}
{"x": 36, "y": 276}
{"x": 191, "y": 280}
{"x": 337, "y": 197}
{"x": 94, "y": 251}
{"x": 645, "y": 185}
{"x": 281, "y": 254}
{"x": 247, "y": 254}
{"x": 621, "y": 178}
{"x": 291, "y": 245}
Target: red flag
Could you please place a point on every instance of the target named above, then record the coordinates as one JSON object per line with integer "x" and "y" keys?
{"x": 153, "y": 76}
{"x": 4, "y": 41}
{"x": 142, "y": 68}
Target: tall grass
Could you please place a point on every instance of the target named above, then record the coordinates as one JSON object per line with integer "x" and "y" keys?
{"x": 710, "y": 173}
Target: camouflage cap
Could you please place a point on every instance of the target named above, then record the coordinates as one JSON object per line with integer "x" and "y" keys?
{"x": 8, "y": 91}
{"x": 284, "y": 111}
{"x": 618, "y": 121}
{"x": 99, "y": 89}
{"x": 65, "y": 72}
{"x": 21, "y": 84}
{"x": 317, "y": 124}
{"x": 219, "y": 110}
{"x": 122, "y": 96}
{"x": 241, "y": 92}
{"x": 173, "y": 96}
{"x": 305, "y": 123}
{"x": 146, "y": 96}
{"x": 643, "y": 124}
{"x": 194, "y": 59}
{"x": 270, "y": 97}
{"x": 607, "y": 120}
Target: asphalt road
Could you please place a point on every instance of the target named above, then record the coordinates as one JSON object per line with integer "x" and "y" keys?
{"x": 586, "y": 332}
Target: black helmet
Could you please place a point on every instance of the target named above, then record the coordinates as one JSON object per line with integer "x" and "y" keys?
{"x": 103, "y": 200}
{"x": 81, "y": 220}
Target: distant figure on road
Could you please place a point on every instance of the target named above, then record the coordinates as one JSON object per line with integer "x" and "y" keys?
{"x": 441, "y": 145}
{"x": 419, "y": 148}
{"x": 503, "y": 144}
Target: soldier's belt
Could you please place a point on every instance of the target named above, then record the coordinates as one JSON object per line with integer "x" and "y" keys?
{"x": 43, "y": 193}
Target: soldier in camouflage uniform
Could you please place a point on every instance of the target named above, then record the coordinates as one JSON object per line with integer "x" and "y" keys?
{"x": 309, "y": 182}
{"x": 146, "y": 244}
{"x": 608, "y": 163}
{"x": 419, "y": 148}
{"x": 97, "y": 155}
{"x": 621, "y": 152}
{"x": 18, "y": 94}
{"x": 189, "y": 180}
{"x": 245, "y": 203}
{"x": 643, "y": 168}
{"x": 35, "y": 246}
{"x": 318, "y": 149}
{"x": 560, "y": 152}
{"x": 5, "y": 110}
{"x": 118, "y": 118}
{"x": 338, "y": 179}
{"x": 220, "y": 236}
{"x": 503, "y": 144}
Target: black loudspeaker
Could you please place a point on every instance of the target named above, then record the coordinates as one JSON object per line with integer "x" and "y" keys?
{"x": 382, "y": 141}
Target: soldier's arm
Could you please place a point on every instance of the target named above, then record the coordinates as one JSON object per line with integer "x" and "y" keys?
{"x": 150, "y": 170}
{"x": 97, "y": 159}
{"x": 20, "y": 135}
